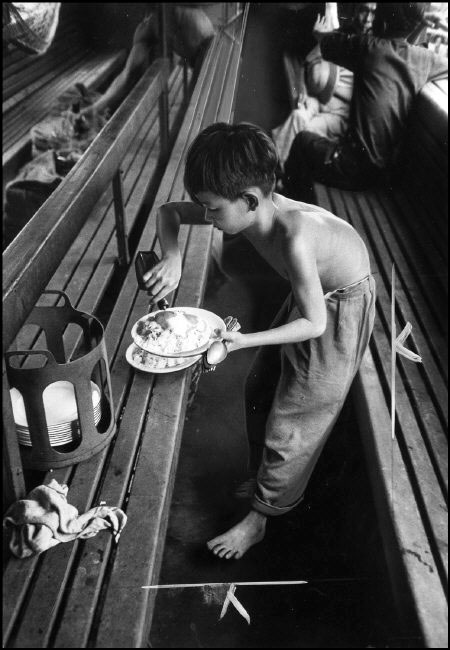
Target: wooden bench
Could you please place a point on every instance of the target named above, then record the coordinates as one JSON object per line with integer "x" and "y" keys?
{"x": 89, "y": 593}
{"x": 406, "y": 225}
{"x": 93, "y": 263}
{"x": 87, "y": 183}
{"x": 31, "y": 83}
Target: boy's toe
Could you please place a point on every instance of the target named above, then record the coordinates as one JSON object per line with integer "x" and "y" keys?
{"x": 212, "y": 544}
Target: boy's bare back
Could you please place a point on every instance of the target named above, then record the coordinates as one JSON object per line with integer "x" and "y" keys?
{"x": 340, "y": 253}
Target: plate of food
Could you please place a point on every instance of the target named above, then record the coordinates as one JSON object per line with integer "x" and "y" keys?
{"x": 147, "y": 362}
{"x": 177, "y": 332}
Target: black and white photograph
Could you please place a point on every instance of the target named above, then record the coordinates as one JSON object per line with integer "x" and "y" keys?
{"x": 225, "y": 325}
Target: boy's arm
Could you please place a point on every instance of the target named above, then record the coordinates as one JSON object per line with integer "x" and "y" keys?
{"x": 308, "y": 295}
{"x": 169, "y": 217}
{"x": 165, "y": 276}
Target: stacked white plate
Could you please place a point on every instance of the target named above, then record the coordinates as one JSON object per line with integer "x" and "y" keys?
{"x": 141, "y": 360}
{"x": 61, "y": 413}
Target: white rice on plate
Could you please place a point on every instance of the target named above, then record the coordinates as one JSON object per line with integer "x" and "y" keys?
{"x": 171, "y": 332}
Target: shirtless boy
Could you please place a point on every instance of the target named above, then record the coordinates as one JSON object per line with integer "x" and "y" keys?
{"x": 322, "y": 329}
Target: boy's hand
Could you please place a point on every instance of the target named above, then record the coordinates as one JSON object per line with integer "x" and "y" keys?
{"x": 164, "y": 276}
{"x": 234, "y": 340}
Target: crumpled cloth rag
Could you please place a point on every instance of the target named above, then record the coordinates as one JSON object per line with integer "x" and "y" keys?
{"x": 44, "y": 519}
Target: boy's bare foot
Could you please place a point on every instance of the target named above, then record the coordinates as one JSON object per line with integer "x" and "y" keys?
{"x": 236, "y": 541}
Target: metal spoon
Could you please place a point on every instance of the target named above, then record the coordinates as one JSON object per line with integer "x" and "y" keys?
{"x": 218, "y": 350}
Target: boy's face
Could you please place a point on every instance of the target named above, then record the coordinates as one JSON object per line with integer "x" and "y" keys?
{"x": 229, "y": 216}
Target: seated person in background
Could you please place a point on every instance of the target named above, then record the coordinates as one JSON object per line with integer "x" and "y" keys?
{"x": 324, "y": 90}
{"x": 363, "y": 18}
{"x": 292, "y": 23}
{"x": 309, "y": 356}
{"x": 388, "y": 74}
{"x": 189, "y": 32}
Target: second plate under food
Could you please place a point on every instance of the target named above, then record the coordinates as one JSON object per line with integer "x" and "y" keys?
{"x": 147, "y": 362}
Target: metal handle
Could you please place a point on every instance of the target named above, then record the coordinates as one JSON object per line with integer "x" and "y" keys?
{"x": 161, "y": 304}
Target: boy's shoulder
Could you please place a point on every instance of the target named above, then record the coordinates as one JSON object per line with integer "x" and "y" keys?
{"x": 290, "y": 209}
{"x": 297, "y": 219}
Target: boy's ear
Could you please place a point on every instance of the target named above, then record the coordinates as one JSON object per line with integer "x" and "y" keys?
{"x": 251, "y": 200}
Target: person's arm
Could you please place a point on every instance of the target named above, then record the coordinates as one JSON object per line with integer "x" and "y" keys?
{"x": 343, "y": 49}
{"x": 328, "y": 23}
{"x": 338, "y": 47}
{"x": 308, "y": 295}
{"x": 137, "y": 62}
{"x": 165, "y": 276}
{"x": 322, "y": 28}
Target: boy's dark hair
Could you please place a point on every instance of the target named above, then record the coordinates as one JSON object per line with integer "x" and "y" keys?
{"x": 226, "y": 159}
{"x": 398, "y": 19}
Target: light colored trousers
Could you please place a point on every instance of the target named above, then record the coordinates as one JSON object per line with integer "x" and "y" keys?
{"x": 294, "y": 399}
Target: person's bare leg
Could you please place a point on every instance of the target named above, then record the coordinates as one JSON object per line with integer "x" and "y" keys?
{"x": 236, "y": 541}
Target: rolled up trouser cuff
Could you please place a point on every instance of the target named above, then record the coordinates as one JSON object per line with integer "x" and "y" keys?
{"x": 272, "y": 511}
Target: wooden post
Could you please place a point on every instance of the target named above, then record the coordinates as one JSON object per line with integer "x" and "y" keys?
{"x": 164, "y": 97}
{"x": 119, "y": 211}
